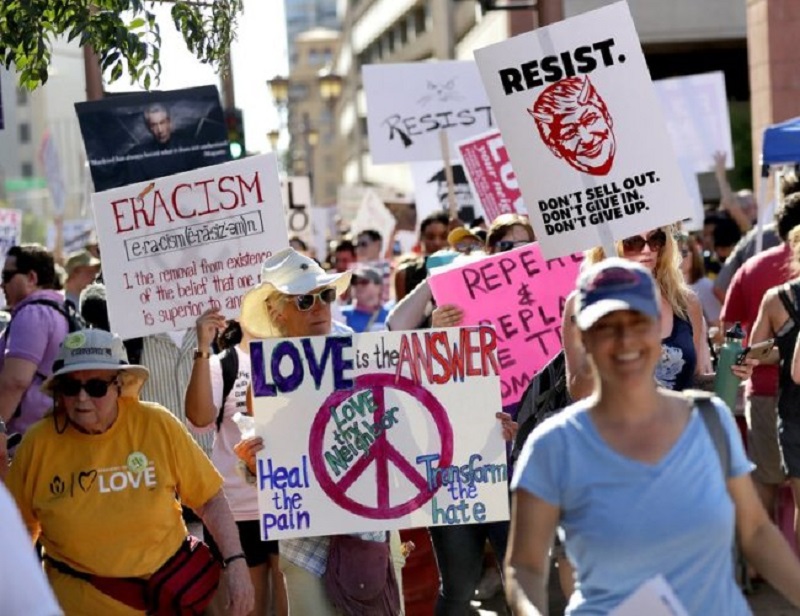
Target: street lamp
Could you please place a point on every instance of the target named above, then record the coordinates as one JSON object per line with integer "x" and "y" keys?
{"x": 279, "y": 88}
{"x": 273, "y": 137}
{"x": 330, "y": 85}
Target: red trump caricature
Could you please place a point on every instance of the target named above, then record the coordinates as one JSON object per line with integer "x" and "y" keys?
{"x": 574, "y": 123}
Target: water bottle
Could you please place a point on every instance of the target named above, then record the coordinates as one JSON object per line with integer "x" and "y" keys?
{"x": 726, "y": 382}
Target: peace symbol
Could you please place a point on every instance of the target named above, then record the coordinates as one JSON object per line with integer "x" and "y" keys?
{"x": 381, "y": 452}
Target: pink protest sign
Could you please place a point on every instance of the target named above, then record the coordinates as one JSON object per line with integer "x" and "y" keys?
{"x": 522, "y": 295}
{"x": 490, "y": 175}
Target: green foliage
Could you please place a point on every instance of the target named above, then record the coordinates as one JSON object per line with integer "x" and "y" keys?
{"x": 123, "y": 33}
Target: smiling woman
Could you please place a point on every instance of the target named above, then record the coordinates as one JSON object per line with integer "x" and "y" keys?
{"x": 634, "y": 447}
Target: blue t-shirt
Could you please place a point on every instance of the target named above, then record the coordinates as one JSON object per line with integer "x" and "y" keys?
{"x": 625, "y": 521}
{"x": 359, "y": 319}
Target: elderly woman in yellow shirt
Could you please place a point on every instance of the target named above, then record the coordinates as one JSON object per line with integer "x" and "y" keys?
{"x": 99, "y": 483}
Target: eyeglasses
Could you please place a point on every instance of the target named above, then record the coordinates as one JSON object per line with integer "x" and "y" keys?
{"x": 306, "y": 301}
{"x": 94, "y": 388}
{"x": 506, "y": 245}
{"x": 9, "y": 274}
{"x": 364, "y": 243}
{"x": 636, "y": 244}
{"x": 467, "y": 247}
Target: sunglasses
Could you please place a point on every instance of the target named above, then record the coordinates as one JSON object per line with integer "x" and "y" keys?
{"x": 9, "y": 274}
{"x": 94, "y": 388}
{"x": 506, "y": 245}
{"x": 636, "y": 244}
{"x": 306, "y": 301}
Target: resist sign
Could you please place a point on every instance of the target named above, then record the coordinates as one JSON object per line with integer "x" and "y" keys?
{"x": 522, "y": 295}
{"x": 370, "y": 432}
{"x": 179, "y": 245}
{"x": 584, "y": 129}
{"x": 490, "y": 175}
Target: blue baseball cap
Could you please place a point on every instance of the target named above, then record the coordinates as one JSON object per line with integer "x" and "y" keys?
{"x": 615, "y": 284}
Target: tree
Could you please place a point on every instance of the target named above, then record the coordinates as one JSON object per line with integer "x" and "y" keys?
{"x": 123, "y": 33}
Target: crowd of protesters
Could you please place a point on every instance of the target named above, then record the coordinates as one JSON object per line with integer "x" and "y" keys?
{"x": 628, "y": 477}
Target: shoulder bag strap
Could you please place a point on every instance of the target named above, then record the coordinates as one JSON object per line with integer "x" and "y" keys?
{"x": 716, "y": 430}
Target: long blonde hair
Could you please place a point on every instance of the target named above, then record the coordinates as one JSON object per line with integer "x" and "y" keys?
{"x": 667, "y": 272}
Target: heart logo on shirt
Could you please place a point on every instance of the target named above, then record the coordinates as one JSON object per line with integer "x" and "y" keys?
{"x": 86, "y": 479}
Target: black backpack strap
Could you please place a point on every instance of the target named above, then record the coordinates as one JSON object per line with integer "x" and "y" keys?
{"x": 789, "y": 302}
{"x": 713, "y": 422}
{"x": 229, "y": 362}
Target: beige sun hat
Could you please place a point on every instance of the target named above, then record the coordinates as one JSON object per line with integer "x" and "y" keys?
{"x": 96, "y": 349}
{"x": 290, "y": 273}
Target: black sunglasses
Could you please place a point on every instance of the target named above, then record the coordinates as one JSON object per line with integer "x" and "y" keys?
{"x": 656, "y": 241}
{"x": 9, "y": 274}
{"x": 306, "y": 302}
{"x": 94, "y": 388}
{"x": 506, "y": 245}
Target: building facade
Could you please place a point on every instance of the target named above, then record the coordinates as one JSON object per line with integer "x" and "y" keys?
{"x": 303, "y": 15}
{"x": 310, "y": 119}
{"x": 29, "y": 117}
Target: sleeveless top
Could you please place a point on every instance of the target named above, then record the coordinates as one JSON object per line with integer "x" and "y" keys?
{"x": 785, "y": 338}
{"x": 675, "y": 369}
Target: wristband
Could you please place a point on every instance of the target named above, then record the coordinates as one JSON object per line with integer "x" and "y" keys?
{"x": 198, "y": 354}
{"x": 230, "y": 559}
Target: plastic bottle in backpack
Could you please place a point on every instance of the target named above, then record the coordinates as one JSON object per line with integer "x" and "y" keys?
{"x": 726, "y": 383}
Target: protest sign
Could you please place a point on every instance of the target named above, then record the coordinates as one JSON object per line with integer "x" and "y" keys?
{"x": 522, "y": 295}
{"x": 430, "y": 191}
{"x": 695, "y": 109}
{"x": 491, "y": 176}
{"x": 176, "y": 246}
{"x": 77, "y": 232}
{"x": 138, "y": 137}
{"x": 10, "y": 230}
{"x": 584, "y": 130}
{"x": 51, "y": 163}
{"x": 373, "y": 214}
{"x": 296, "y": 192}
{"x": 403, "y": 124}
{"x": 370, "y": 432}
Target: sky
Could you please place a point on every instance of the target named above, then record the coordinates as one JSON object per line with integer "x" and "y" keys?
{"x": 258, "y": 54}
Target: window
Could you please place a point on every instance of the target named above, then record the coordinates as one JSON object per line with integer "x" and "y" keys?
{"x": 402, "y": 32}
{"x": 24, "y": 132}
{"x": 363, "y": 125}
{"x": 420, "y": 20}
{"x": 27, "y": 170}
{"x": 22, "y": 97}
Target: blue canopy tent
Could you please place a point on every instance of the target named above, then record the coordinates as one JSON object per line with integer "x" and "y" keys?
{"x": 781, "y": 146}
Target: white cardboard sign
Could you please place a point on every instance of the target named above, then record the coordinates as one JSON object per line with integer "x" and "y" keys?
{"x": 10, "y": 230}
{"x": 410, "y": 104}
{"x": 373, "y": 214}
{"x": 696, "y": 111}
{"x": 176, "y": 246}
{"x": 370, "y": 432}
{"x": 296, "y": 191}
{"x": 583, "y": 127}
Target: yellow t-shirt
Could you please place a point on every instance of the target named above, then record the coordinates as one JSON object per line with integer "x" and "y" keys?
{"x": 106, "y": 503}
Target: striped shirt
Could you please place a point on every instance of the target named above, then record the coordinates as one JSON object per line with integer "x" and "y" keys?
{"x": 311, "y": 553}
{"x": 170, "y": 369}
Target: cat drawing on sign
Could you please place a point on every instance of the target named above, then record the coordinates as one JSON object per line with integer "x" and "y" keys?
{"x": 440, "y": 92}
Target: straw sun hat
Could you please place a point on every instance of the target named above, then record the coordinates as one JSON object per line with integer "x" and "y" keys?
{"x": 290, "y": 273}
